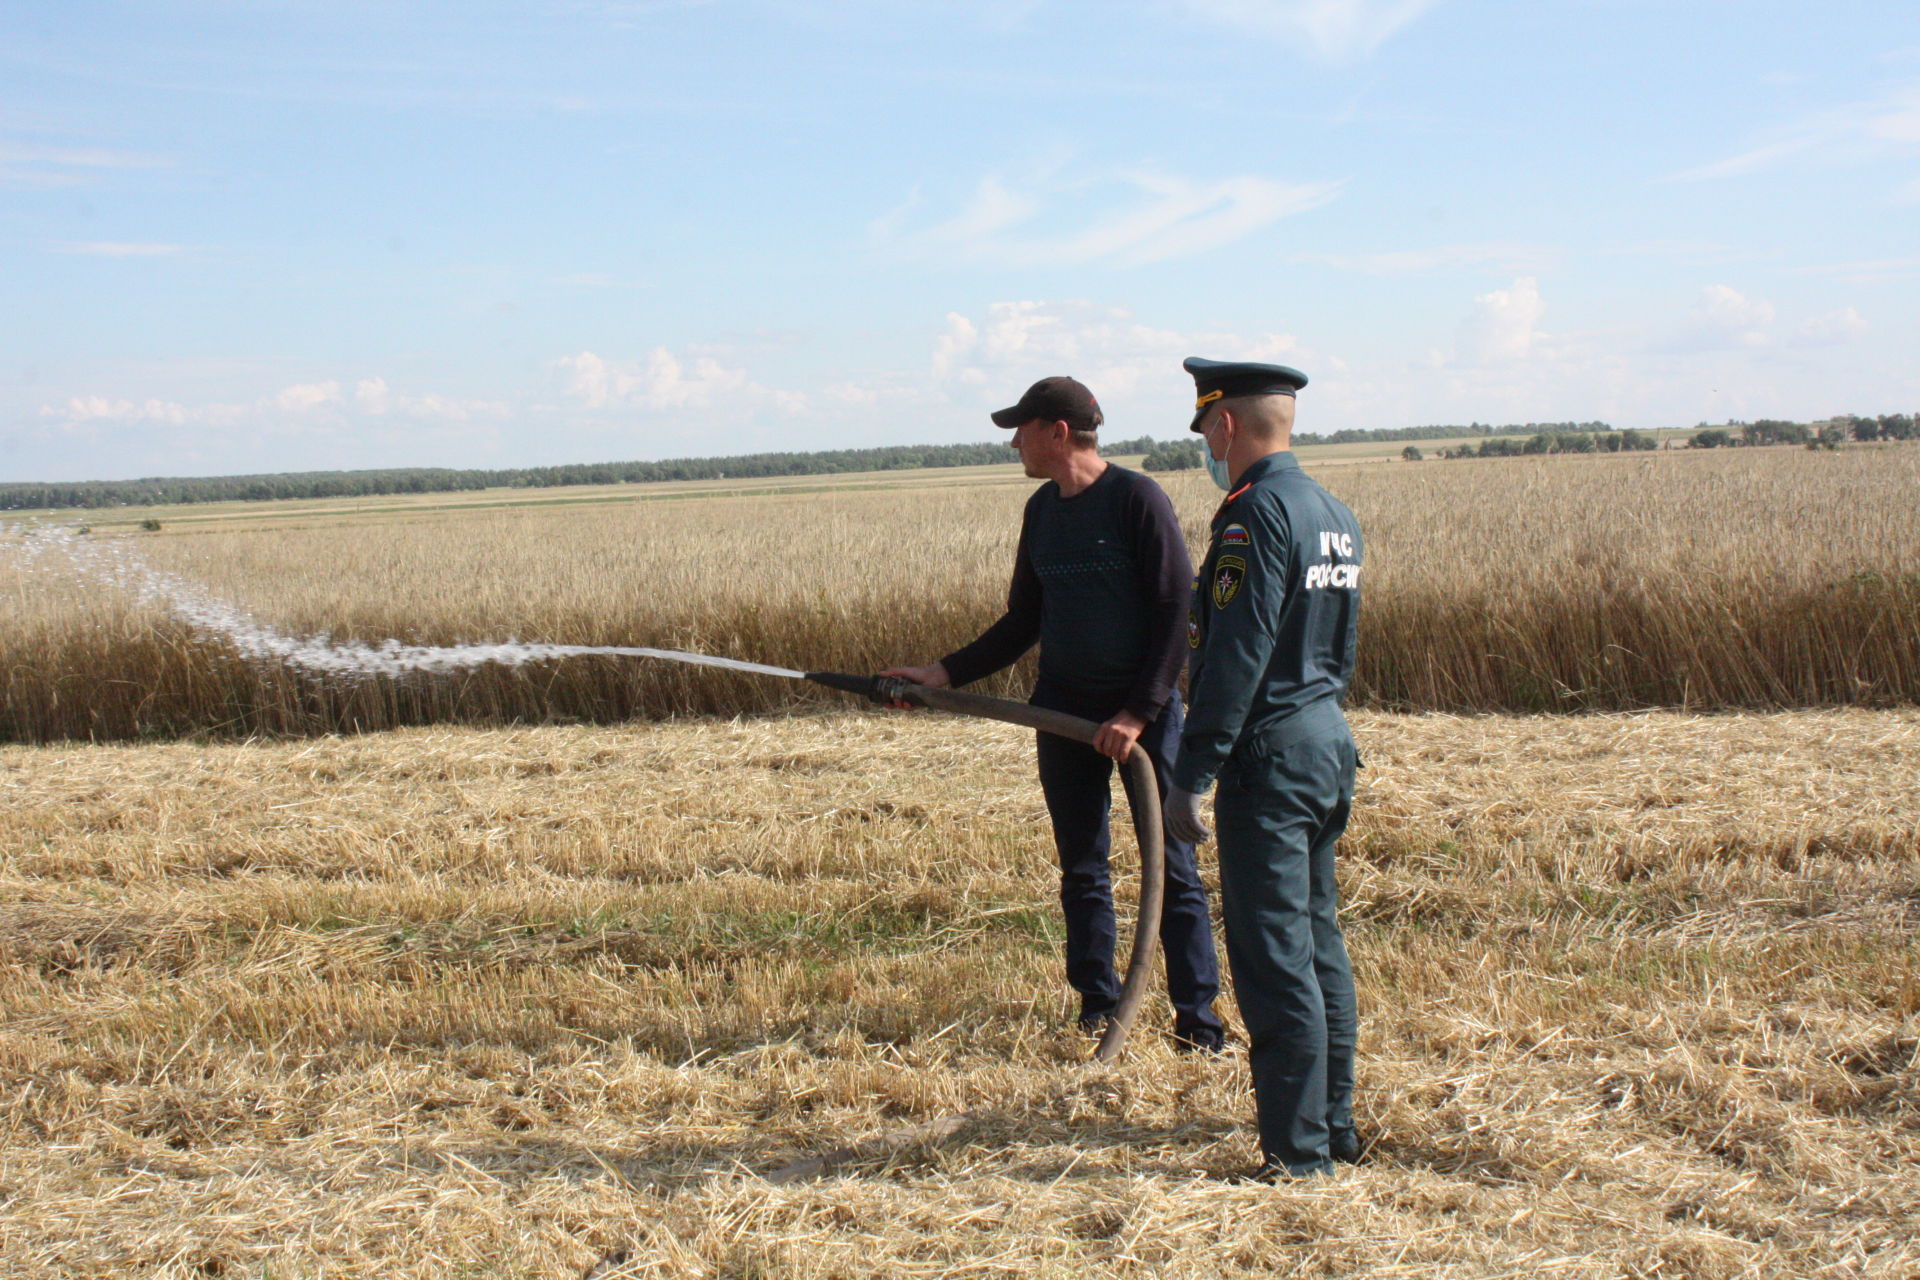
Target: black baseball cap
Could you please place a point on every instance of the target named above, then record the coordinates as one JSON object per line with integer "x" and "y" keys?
{"x": 1058, "y": 399}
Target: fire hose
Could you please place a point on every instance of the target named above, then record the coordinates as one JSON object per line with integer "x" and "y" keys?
{"x": 1144, "y": 798}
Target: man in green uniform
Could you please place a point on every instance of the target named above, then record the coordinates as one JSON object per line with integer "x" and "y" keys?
{"x": 1272, "y": 629}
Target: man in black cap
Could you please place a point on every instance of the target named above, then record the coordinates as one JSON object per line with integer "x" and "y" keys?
{"x": 1100, "y": 579}
{"x": 1272, "y": 627}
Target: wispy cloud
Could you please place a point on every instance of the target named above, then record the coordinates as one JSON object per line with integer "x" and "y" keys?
{"x": 1746, "y": 162}
{"x": 293, "y": 408}
{"x": 1506, "y": 256}
{"x": 1156, "y": 217}
{"x": 588, "y": 280}
{"x": 30, "y": 164}
{"x": 1697, "y": 252}
{"x": 118, "y": 249}
{"x": 1865, "y": 272}
{"x": 1859, "y": 132}
{"x": 1335, "y": 30}
{"x": 1834, "y": 328}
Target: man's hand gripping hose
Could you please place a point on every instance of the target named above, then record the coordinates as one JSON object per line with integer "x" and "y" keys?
{"x": 1144, "y": 793}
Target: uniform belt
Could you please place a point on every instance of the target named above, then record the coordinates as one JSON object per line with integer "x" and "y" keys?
{"x": 1324, "y": 716}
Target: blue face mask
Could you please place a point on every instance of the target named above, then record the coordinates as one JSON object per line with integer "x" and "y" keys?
{"x": 1217, "y": 468}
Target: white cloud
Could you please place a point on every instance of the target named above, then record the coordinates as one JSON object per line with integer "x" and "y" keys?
{"x": 953, "y": 346}
{"x": 1155, "y": 217}
{"x": 1833, "y": 328}
{"x": 449, "y": 408}
{"x": 1721, "y": 319}
{"x": 106, "y": 409}
{"x": 372, "y": 395}
{"x": 307, "y": 395}
{"x": 1725, "y": 317}
{"x": 852, "y": 395}
{"x": 1335, "y": 30}
{"x": 662, "y": 381}
{"x": 300, "y": 406}
{"x": 1504, "y": 323}
{"x": 985, "y": 362}
{"x": 119, "y": 249}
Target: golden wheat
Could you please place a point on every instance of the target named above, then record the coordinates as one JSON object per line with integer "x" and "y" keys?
{"x": 1701, "y": 580}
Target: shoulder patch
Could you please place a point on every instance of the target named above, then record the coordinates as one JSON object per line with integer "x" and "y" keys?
{"x": 1235, "y": 535}
{"x": 1193, "y": 630}
{"x": 1228, "y": 573}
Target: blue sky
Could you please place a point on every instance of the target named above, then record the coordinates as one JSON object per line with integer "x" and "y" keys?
{"x": 254, "y": 237}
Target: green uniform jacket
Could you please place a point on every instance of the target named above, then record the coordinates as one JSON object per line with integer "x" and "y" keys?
{"x": 1274, "y": 616}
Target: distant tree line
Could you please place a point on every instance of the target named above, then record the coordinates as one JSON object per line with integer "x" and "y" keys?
{"x": 168, "y": 490}
{"x": 1161, "y": 455}
{"x": 1830, "y": 434}
{"x": 1181, "y": 455}
{"x": 1605, "y": 441}
{"x": 1364, "y": 435}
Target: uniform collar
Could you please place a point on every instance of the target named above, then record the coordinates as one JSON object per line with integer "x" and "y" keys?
{"x": 1260, "y": 468}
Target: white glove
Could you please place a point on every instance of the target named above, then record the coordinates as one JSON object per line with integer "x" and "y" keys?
{"x": 1181, "y": 816}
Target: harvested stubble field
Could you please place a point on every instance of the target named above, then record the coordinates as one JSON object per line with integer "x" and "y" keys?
{"x": 1639, "y": 996}
{"x": 1753, "y": 578}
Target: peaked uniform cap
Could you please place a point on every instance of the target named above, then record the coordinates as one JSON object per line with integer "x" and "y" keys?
{"x": 1225, "y": 379}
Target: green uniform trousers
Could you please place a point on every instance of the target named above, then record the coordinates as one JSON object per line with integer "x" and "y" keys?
{"x": 1282, "y": 803}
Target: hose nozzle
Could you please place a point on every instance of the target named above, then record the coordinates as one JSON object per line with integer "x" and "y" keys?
{"x": 859, "y": 686}
{"x": 888, "y": 691}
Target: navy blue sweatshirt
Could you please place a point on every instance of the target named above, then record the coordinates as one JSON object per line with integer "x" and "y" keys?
{"x": 1102, "y": 581}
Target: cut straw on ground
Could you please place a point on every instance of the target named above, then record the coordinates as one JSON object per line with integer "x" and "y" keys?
{"x": 1639, "y": 999}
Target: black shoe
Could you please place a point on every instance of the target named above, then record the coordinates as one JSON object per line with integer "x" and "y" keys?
{"x": 1210, "y": 1043}
{"x": 1273, "y": 1172}
{"x": 1094, "y": 1024}
{"x": 1347, "y": 1148}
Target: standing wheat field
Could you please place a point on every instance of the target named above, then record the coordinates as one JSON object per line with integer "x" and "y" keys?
{"x": 1638, "y": 990}
{"x": 1690, "y": 579}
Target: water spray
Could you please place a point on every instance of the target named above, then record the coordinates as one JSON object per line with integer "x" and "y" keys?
{"x": 121, "y": 566}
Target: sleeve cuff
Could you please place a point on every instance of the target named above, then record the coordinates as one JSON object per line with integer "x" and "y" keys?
{"x": 1192, "y": 779}
{"x": 1148, "y": 711}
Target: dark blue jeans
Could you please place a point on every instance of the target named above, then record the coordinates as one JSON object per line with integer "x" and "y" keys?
{"x": 1076, "y": 780}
